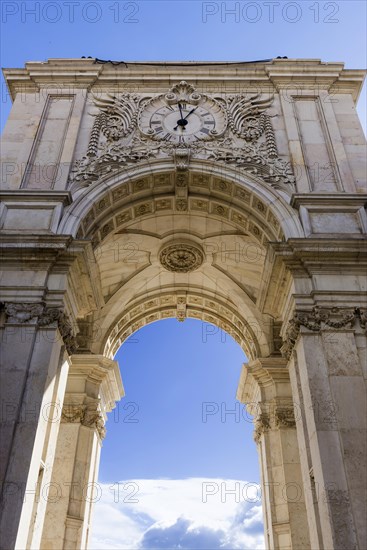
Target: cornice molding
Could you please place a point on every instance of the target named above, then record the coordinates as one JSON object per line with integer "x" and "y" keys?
{"x": 329, "y": 200}
{"x": 27, "y": 195}
{"x": 102, "y": 371}
{"x": 277, "y": 73}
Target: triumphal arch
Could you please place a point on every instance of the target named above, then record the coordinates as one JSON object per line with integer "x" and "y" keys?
{"x": 228, "y": 192}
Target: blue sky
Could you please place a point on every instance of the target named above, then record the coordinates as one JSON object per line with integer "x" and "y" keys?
{"x": 182, "y": 30}
{"x": 176, "y": 421}
{"x": 169, "y": 372}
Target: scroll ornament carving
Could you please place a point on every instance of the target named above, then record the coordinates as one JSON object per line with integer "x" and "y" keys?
{"x": 316, "y": 320}
{"x": 23, "y": 313}
{"x": 118, "y": 115}
{"x": 87, "y": 415}
{"x": 247, "y": 140}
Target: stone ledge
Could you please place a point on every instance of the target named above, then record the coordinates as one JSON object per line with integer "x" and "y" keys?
{"x": 83, "y": 73}
{"x": 28, "y": 196}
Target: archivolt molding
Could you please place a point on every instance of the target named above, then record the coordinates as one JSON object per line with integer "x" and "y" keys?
{"x": 320, "y": 319}
{"x": 243, "y": 136}
{"x": 182, "y": 305}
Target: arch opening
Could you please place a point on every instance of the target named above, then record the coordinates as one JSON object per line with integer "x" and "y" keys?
{"x": 171, "y": 466}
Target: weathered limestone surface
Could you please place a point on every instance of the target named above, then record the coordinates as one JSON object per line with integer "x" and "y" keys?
{"x": 94, "y": 384}
{"x": 231, "y": 194}
{"x": 265, "y": 388}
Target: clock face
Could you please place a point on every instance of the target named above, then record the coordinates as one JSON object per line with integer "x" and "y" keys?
{"x": 181, "y": 121}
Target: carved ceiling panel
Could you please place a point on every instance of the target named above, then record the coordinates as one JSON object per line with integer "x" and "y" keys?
{"x": 159, "y": 195}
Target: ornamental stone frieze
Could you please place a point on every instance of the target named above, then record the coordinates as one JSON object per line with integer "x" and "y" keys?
{"x": 87, "y": 415}
{"x": 23, "y": 313}
{"x": 39, "y": 314}
{"x": 319, "y": 319}
{"x": 181, "y": 125}
{"x": 285, "y": 417}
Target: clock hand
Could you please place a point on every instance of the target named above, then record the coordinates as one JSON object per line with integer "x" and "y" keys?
{"x": 183, "y": 122}
{"x": 190, "y": 113}
{"x": 180, "y": 107}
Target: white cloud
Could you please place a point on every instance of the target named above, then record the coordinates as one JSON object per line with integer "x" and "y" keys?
{"x": 177, "y": 514}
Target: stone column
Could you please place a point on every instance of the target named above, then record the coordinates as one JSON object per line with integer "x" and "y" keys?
{"x": 326, "y": 349}
{"x": 35, "y": 342}
{"x": 94, "y": 385}
{"x": 265, "y": 389}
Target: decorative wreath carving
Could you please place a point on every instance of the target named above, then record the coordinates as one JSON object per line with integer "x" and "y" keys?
{"x": 88, "y": 415}
{"x": 317, "y": 319}
{"x": 37, "y": 313}
{"x": 181, "y": 257}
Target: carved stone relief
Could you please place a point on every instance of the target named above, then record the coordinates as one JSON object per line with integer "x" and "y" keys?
{"x": 242, "y": 208}
{"x": 181, "y": 257}
{"x": 25, "y": 313}
{"x": 238, "y": 133}
{"x": 319, "y": 319}
{"x": 274, "y": 415}
{"x": 86, "y": 414}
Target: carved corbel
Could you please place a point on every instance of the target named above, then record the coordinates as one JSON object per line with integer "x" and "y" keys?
{"x": 182, "y": 158}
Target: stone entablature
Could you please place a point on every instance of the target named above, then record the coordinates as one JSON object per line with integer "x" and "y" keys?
{"x": 306, "y": 74}
{"x": 258, "y": 111}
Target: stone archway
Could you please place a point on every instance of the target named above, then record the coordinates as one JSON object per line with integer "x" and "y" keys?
{"x": 235, "y": 227}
